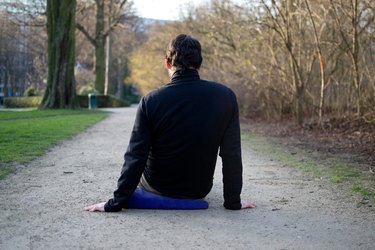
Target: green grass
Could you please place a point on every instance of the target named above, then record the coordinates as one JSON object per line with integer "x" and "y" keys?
{"x": 358, "y": 188}
{"x": 337, "y": 179}
{"x": 26, "y": 135}
{"x": 34, "y": 113}
{"x": 342, "y": 172}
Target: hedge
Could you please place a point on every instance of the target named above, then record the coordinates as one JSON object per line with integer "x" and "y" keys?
{"x": 22, "y": 102}
{"x": 102, "y": 101}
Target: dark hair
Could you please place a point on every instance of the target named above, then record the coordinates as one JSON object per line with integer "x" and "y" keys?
{"x": 184, "y": 52}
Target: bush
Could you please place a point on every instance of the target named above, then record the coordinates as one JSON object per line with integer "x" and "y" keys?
{"x": 22, "y": 102}
{"x": 87, "y": 89}
{"x": 31, "y": 91}
{"x": 103, "y": 101}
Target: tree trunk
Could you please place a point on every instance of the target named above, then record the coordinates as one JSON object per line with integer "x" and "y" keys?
{"x": 295, "y": 62}
{"x": 322, "y": 86}
{"x": 321, "y": 63}
{"x": 107, "y": 85}
{"x": 108, "y": 58}
{"x": 357, "y": 87}
{"x": 352, "y": 47}
{"x": 60, "y": 91}
{"x": 100, "y": 47}
{"x": 355, "y": 57}
{"x": 300, "y": 96}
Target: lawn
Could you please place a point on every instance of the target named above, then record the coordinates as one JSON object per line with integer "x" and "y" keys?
{"x": 26, "y": 135}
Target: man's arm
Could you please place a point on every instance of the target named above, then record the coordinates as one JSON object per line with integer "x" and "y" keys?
{"x": 230, "y": 152}
{"x": 133, "y": 167}
{"x": 135, "y": 161}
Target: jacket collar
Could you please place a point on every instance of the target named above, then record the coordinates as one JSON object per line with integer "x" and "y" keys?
{"x": 185, "y": 75}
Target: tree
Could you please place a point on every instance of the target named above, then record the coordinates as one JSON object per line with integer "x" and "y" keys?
{"x": 60, "y": 91}
{"x": 321, "y": 62}
{"x": 22, "y": 47}
{"x": 284, "y": 21}
{"x": 112, "y": 9}
{"x": 146, "y": 62}
{"x": 125, "y": 39}
{"x": 353, "y": 18}
{"x": 271, "y": 52}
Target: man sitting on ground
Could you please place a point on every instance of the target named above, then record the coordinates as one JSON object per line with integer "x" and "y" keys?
{"x": 178, "y": 132}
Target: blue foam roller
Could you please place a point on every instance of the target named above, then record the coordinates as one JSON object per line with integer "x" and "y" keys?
{"x": 143, "y": 199}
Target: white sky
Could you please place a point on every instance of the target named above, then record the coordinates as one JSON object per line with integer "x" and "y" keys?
{"x": 162, "y": 9}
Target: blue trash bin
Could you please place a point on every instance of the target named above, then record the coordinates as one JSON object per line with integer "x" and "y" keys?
{"x": 92, "y": 101}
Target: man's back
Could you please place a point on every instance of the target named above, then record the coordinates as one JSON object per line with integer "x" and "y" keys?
{"x": 188, "y": 119}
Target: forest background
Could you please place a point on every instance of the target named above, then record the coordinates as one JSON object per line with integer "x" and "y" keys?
{"x": 310, "y": 62}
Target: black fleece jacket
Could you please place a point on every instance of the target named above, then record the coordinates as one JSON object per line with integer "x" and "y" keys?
{"x": 178, "y": 131}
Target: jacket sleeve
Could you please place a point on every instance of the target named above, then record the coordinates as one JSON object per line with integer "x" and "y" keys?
{"x": 135, "y": 162}
{"x": 230, "y": 152}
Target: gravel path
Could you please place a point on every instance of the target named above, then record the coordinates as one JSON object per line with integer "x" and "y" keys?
{"x": 41, "y": 205}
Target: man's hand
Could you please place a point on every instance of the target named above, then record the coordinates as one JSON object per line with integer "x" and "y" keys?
{"x": 95, "y": 208}
{"x": 247, "y": 204}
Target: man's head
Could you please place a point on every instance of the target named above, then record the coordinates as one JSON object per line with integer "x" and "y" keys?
{"x": 184, "y": 52}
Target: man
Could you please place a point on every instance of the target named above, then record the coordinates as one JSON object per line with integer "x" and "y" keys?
{"x": 178, "y": 132}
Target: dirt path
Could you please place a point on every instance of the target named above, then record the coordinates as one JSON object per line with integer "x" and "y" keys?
{"x": 41, "y": 205}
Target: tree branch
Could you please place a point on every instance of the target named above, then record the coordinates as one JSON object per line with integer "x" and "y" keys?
{"x": 86, "y": 33}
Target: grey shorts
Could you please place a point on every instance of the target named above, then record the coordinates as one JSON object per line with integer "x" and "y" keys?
{"x": 146, "y": 186}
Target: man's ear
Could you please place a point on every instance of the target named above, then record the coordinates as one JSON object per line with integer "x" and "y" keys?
{"x": 167, "y": 65}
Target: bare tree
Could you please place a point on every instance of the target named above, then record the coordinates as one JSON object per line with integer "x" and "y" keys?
{"x": 22, "y": 40}
{"x": 353, "y": 18}
{"x": 281, "y": 57}
{"x": 321, "y": 62}
{"x": 283, "y": 20}
{"x": 113, "y": 9}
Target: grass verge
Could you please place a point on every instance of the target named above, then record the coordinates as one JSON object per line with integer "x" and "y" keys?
{"x": 26, "y": 135}
{"x": 330, "y": 168}
{"x": 365, "y": 192}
